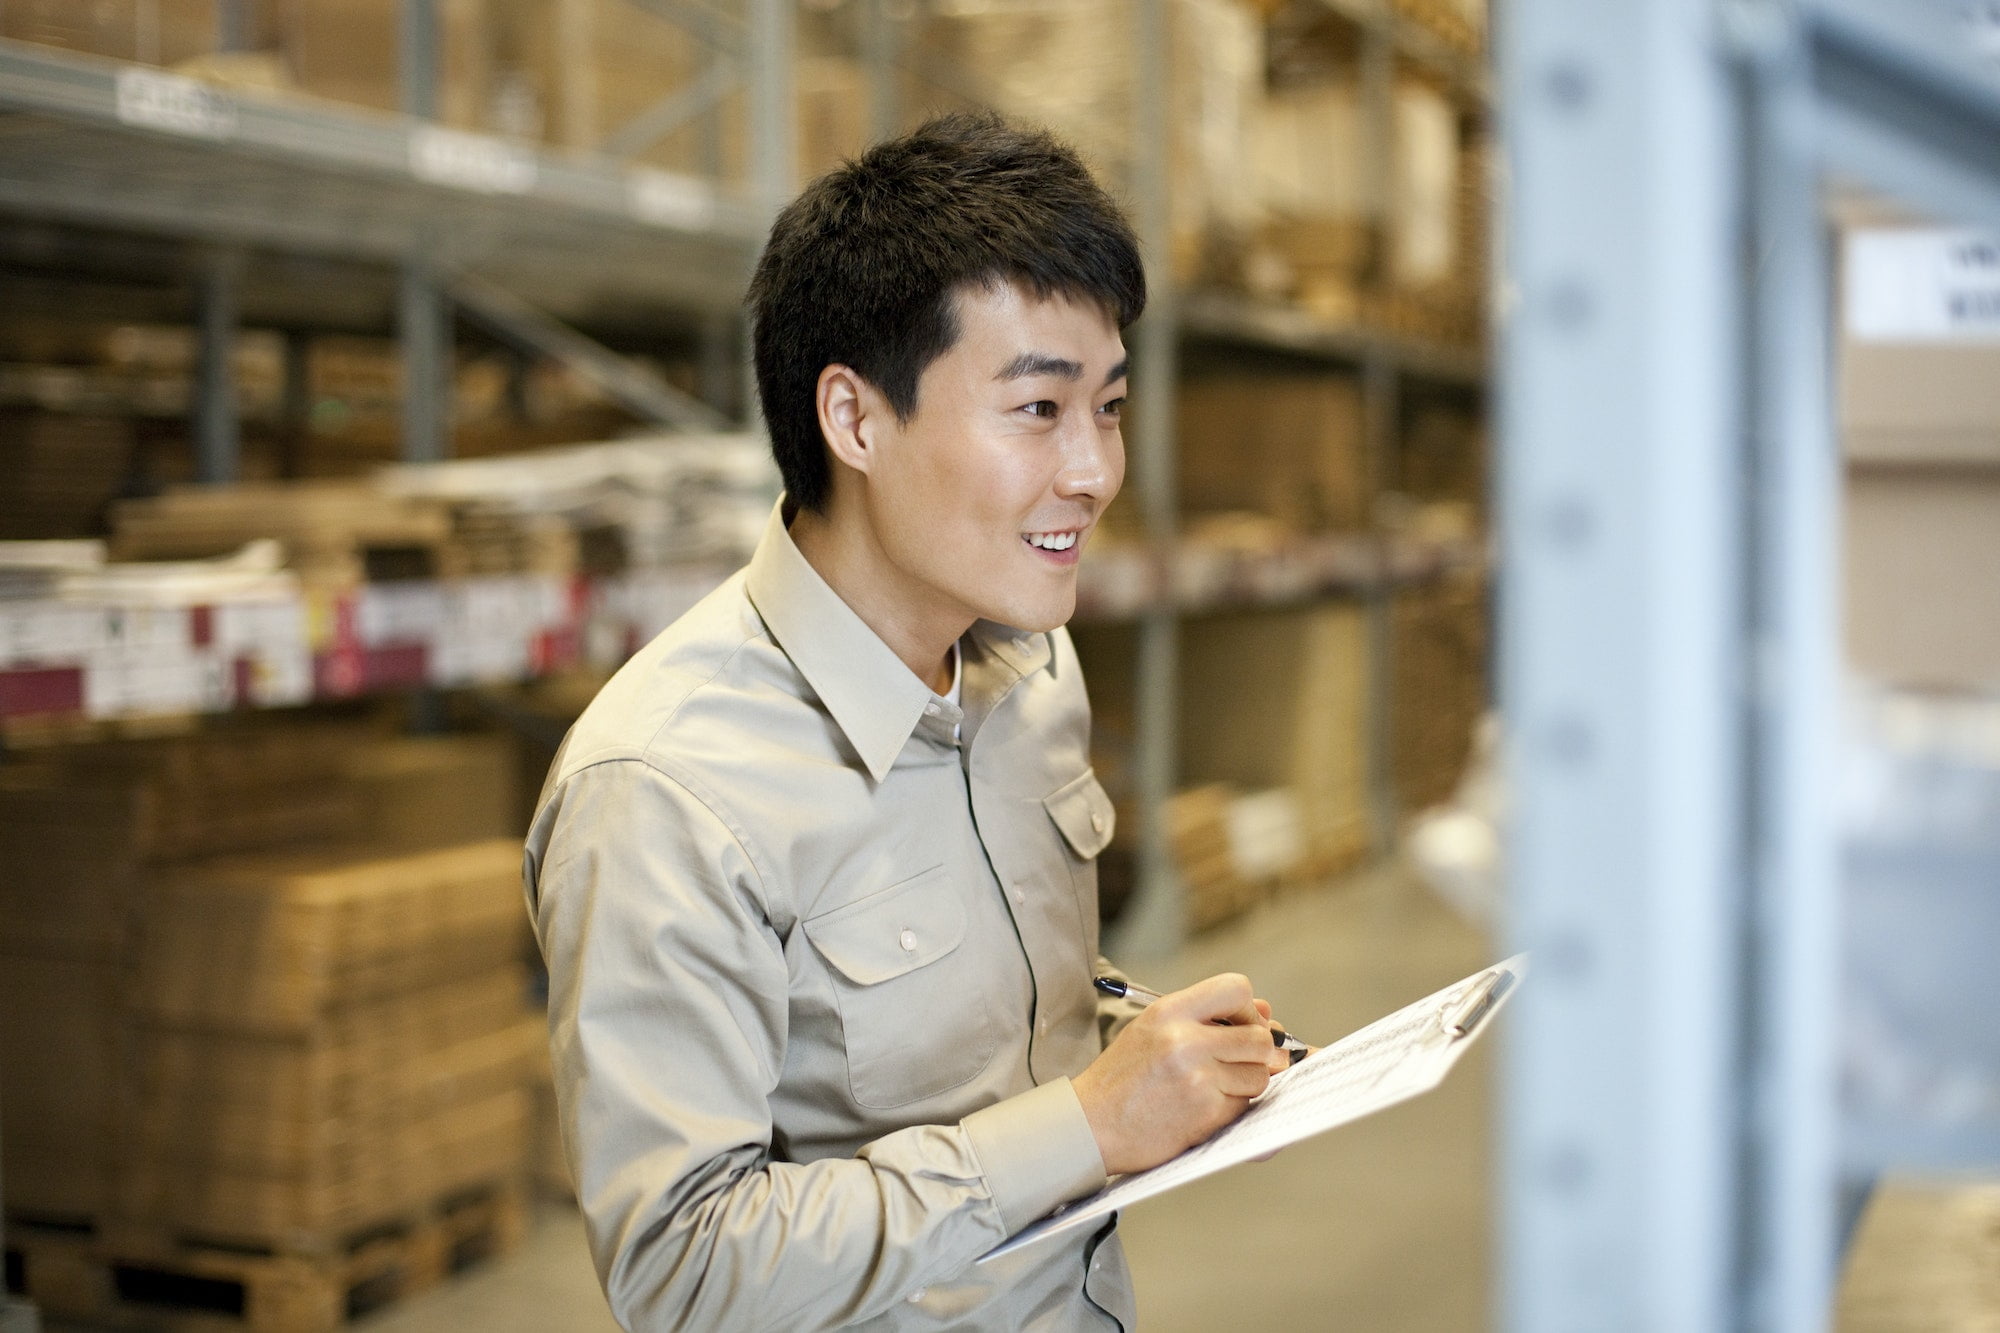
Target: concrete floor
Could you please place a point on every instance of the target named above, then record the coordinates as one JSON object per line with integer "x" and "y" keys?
{"x": 1382, "y": 1226}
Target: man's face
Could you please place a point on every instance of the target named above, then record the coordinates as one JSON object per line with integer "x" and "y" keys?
{"x": 985, "y": 497}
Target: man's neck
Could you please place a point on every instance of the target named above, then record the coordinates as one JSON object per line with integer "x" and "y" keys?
{"x": 905, "y": 617}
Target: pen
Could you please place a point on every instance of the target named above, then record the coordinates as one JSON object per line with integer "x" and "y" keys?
{"x": 1125, "y": 990}
{"x": 1477, "y": 1004}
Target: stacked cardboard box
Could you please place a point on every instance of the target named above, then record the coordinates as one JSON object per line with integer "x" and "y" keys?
{"x": 82, "y": 834}
{"x": 335, "y": 535}
{"x": 1279, "y": 699}
{"x": 325, "y": 1042}
{"x": 92, "y": 838}
{"x": 1233, "y": 848}
{"x": 1439, "y": 690}
{"x": 1287, "y": 445}
{"x": 62, "y": 473}
{"x": 1919, "y": 402}
{"x": 157, "y": 32}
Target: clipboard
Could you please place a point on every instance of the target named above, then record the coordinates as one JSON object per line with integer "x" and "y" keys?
{"x": 1391, "y": 1060}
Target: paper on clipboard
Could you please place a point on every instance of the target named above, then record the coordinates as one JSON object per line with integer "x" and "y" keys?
{"x": 1391, "y": 1060}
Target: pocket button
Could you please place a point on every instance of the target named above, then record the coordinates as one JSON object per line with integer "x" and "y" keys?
{"x": 908, "y": 939}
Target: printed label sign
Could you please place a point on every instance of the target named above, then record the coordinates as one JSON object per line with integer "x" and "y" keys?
{"x": 470, "y": 161}
{"x": 1923, "y": 285}
{"x": 179, "y": 106}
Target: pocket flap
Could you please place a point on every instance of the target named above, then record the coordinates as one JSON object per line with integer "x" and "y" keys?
{"x": 893, "y": 931}
{"x": 1083, "y": 812}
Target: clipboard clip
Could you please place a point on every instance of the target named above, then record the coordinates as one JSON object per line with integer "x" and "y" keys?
{"x": 1464, "y": 1018}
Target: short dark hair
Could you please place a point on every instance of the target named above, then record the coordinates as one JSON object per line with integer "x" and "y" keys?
{"x": 864, "y": 267}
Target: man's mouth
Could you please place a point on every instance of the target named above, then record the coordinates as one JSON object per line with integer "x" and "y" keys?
{"x": 1052, "y": 541}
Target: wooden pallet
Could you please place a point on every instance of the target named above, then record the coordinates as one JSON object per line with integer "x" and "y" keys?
{"x": 126, "y": 1280}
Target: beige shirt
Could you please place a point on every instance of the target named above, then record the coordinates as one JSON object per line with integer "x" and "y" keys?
{"x": 819, "y": 972}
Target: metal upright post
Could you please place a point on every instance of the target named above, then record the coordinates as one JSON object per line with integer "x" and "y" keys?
{"x": 418, "y": 55}
{"x": 882, "y": 43}
{"x": 232, "y": 25}
{"x": 1790, "y": 1125}
{"x": 1380, "y": 389}
{"x": 296, "y": 409}
{"x": 1622, "y": 655}
{"x": 423, "y": 317}
{"x": 773, "y": 113}
{"x": 218, "y": 432}
{"x": 1156, "y": 922}
{"x": 773, "y": 137}
{"x": 423, "y": 331}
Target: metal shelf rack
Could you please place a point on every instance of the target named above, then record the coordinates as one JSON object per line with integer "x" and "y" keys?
{"x": 1673, "y": 1141}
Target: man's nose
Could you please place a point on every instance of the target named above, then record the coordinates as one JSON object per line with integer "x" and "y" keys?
{"x": 1092, "y": 462}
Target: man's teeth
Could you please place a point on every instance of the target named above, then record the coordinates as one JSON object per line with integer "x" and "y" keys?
{"x": 1052, "y": 541}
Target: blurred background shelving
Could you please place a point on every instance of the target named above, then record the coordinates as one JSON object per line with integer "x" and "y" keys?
{"x": 373, "y": 381}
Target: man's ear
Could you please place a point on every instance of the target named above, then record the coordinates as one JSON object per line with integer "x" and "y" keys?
{"x": 850, "y": 410}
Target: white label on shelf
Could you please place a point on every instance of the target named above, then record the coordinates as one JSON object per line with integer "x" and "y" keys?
{"x": 470, "y": 161}
{"x": 1923, "y": 285}
{"x": 667, "y": 200}
{"x": 175, "y": 104}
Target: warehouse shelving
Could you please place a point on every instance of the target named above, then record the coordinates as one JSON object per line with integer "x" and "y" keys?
{"x": 254, "y": 198}
{"x": 1674, "y": 1138}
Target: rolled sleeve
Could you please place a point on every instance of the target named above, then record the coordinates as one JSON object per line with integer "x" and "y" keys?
{"x": 1036, "y": 1152}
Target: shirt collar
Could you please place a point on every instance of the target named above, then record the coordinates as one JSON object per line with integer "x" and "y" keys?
{"x": 873, "y": 696}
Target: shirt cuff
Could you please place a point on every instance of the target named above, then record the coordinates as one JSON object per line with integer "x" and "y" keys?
{"x": 1037, "y": 1152}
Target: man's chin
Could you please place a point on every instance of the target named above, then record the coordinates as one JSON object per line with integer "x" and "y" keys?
{"x": 1038, "y": 617}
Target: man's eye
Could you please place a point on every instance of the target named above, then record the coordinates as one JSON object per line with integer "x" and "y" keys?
{"x": 1044, "y": 408}
{"x": 1115, "y": 407}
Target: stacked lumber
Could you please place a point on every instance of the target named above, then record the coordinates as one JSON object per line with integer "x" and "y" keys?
{"x": 335, "y": 535}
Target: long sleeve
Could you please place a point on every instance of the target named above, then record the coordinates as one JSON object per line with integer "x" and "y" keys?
{"x": 668, "y": 1010}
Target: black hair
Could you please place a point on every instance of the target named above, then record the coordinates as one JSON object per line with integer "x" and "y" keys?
{"x": 864, "y": 267}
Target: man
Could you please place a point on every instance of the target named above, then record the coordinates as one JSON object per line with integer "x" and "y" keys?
{"x": 815, "y": 873}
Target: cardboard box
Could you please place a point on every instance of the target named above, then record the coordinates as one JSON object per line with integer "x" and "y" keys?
{"x": 1923, "y": 576}
{"x": 1920, "y": 403}
{"x": 62, "y": 473}
{"x": 275, "y": 943}
{"x": 1439, "y": 657}
{"x": 62, "y": 1045}
{"x": 1286, "y": 445}
{"x": 1280, "y": 699}
{"x": 346, "y": 50}
{"x": 153, "y": 32}
{"x": 425, "y": 792}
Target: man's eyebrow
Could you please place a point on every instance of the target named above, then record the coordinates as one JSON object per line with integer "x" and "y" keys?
{"x": 1039, "y": 363}
{"x": 1118, "y": 372}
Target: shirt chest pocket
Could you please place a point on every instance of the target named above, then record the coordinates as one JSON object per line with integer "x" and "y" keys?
{"x": 910, "y": 1028}
{"x": 1081, "y": 811}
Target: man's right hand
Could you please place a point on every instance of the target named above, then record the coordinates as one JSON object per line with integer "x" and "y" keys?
{"x": 1176, "y": 1074}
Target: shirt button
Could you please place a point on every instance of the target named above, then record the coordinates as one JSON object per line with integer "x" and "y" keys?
{"x": 1096, "y": 823}
{"x": 1020, "y": 894}
{"x": 931, "y": 709}
{"x": 916, "y": 1297}
{"x": 908, "y": 939}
